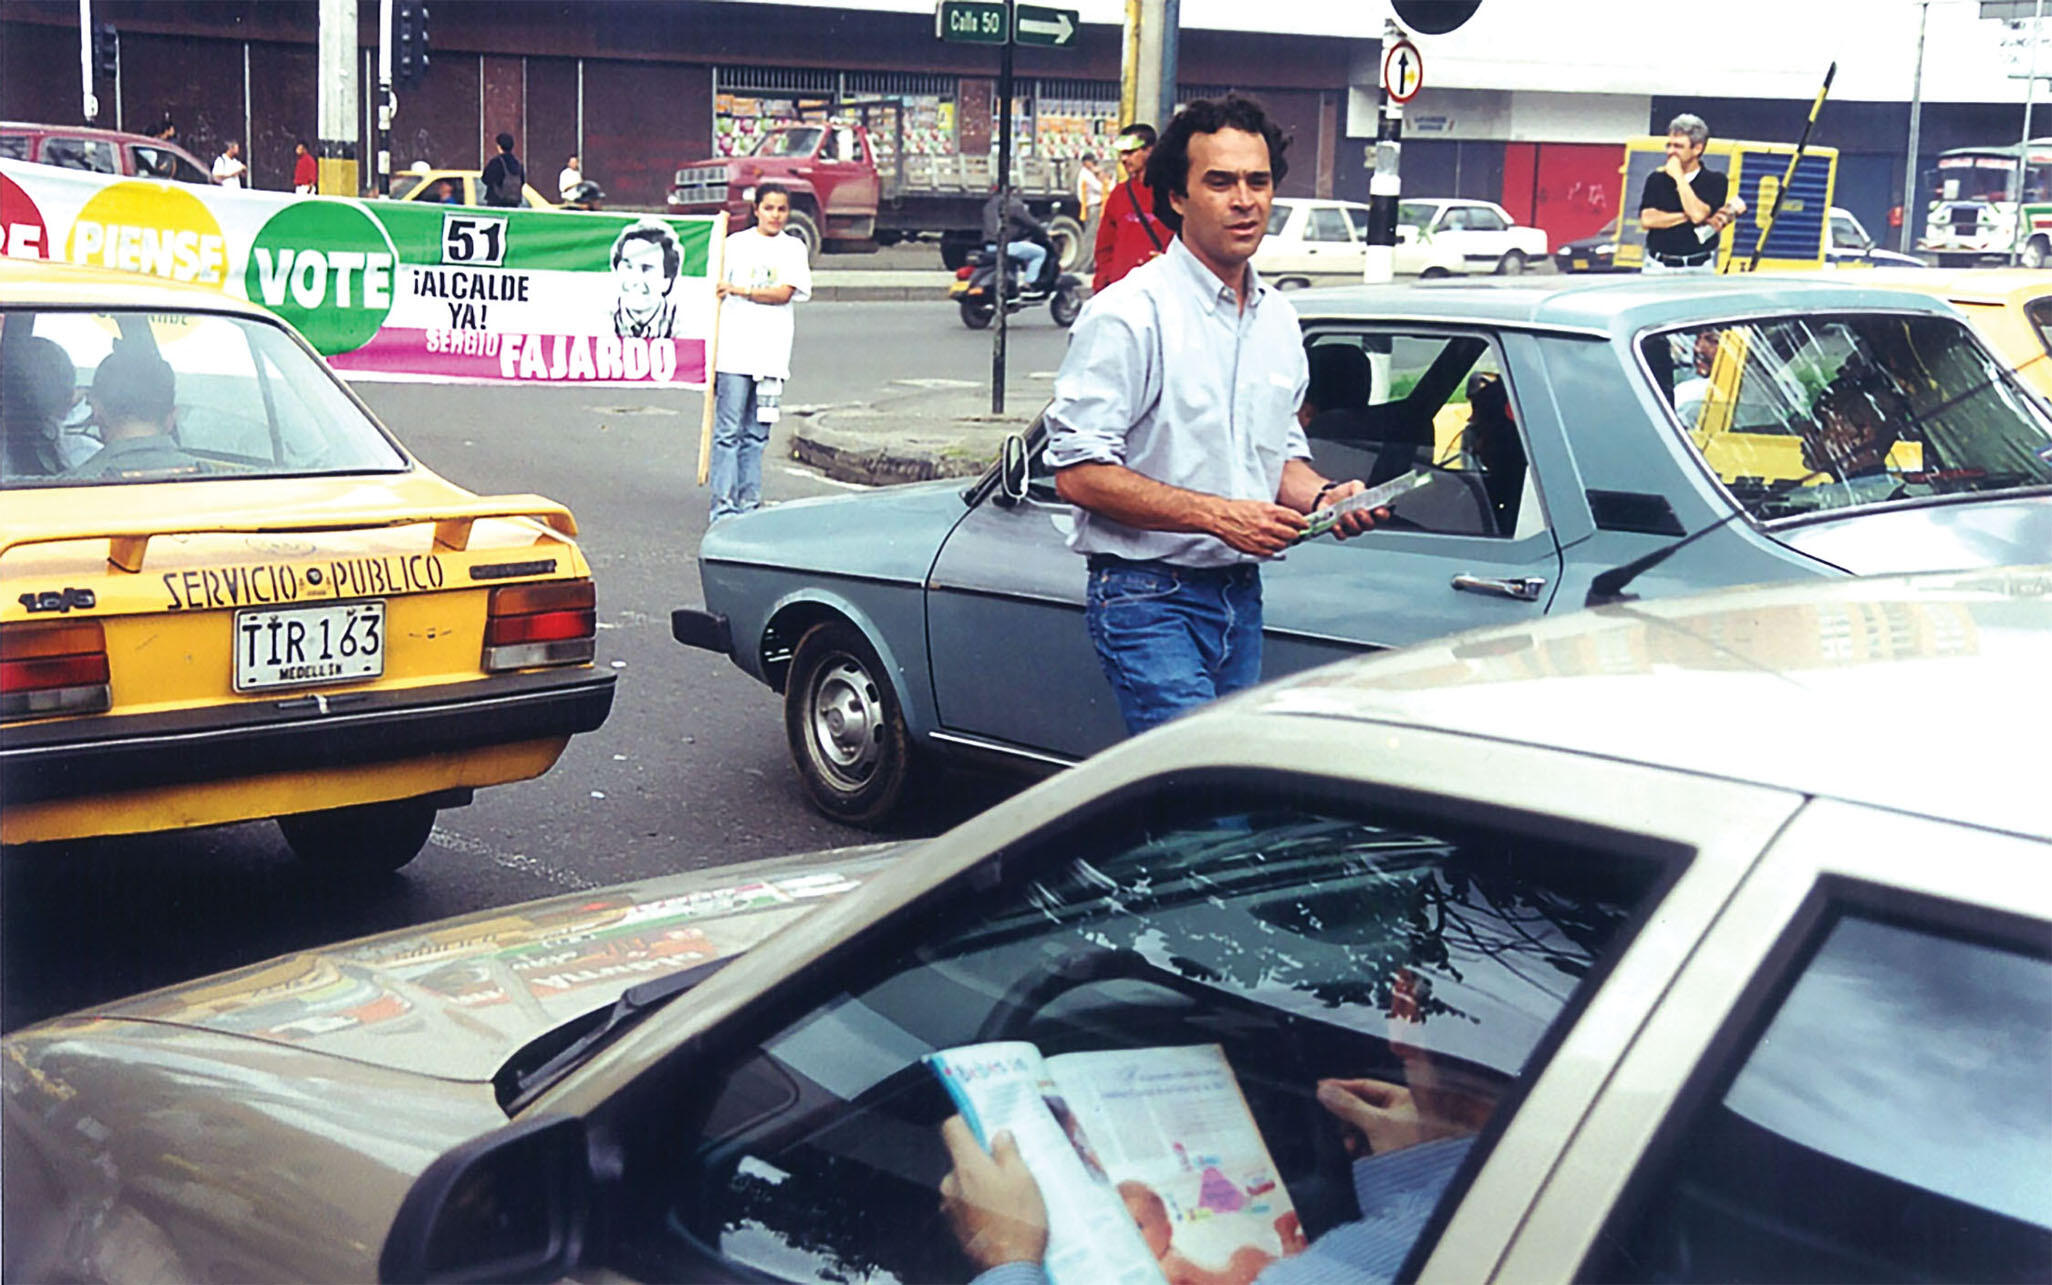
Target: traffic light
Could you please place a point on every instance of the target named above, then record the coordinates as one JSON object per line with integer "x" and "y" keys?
{"x": 410, "y": 41}
{"x": 106, "y": 51}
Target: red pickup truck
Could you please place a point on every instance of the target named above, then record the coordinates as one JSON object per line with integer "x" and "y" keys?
{"x": 842, "y": 199}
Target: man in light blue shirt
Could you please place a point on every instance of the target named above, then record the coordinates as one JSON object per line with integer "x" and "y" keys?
{"x": 1173, "y": 428}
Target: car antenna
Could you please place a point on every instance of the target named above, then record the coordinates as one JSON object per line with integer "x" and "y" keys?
{"x": 1608, "y": 586}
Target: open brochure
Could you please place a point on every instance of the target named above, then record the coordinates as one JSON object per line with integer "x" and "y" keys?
{"x": 1149, "y": 1161}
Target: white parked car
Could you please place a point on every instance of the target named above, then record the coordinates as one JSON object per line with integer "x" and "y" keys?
{"x": 1314, "y": 243}
{"x": 1437, "y": 238}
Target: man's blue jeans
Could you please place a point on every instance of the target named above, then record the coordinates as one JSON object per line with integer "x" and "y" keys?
{"x": 1172, "y": 638}
{"x": 1027, "y": 256}
{"x": 738, "y": 438}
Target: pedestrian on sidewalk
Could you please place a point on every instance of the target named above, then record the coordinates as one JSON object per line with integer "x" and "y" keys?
{"x": 1174, "y": 431}
{"x": 1090, "y": 190}
{"x": 504, "y": 181}
{"x": 228, "y": 166}
{"x": 306, "y": 173}
{"x": 1129, "y": 233}
{"x": 765, "y": 273}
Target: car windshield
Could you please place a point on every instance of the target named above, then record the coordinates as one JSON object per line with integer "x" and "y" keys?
{"x": 1822, "y": 413}
{"x": 1278, "y": 214}
{"x": 788, "y": 142}
{"x": 103, "y": 398}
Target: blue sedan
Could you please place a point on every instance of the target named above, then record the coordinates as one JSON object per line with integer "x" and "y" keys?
{"x": 1585, "y": 442}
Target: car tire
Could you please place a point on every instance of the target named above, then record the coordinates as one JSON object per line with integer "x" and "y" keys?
{"x": 977, "y": 314}
{"x": 369, "y": 838}
{"x": 1433, "y": 274}
{"x": 1293, "y": 283}
{"x": 805, "y": 229}
{"x": 1067, "y": 235}
{"x": 1512, "y": 264}
{"x": 1066, "y": 305}
{"x": 847, "y": 733}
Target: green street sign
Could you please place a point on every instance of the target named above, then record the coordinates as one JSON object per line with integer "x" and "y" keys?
{"x": 971, "y": 22}
{"x": 1037, "y": 25}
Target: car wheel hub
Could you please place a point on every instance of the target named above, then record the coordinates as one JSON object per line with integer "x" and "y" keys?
{"x": 845, "y": 717}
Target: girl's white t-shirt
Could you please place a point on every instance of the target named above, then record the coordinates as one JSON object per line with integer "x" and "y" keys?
{"x": 755, "y": 338}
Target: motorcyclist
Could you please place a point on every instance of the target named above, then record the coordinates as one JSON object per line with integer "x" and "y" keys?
{"x": 1025, "y": 238}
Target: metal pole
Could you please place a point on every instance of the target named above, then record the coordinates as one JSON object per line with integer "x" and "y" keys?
{"x": 1913, "y": 195}
{"x": 2023, "y": 145}
{"x": 1171, "y": 35}
{"x": 387, "y": 102}
{"x": 337, "y": 137}
{"x": 88, "y": 102}
{"x": 1129, "y": 66}
{"x": 1004, "y": 196}
{"x": 1386, "y": 184}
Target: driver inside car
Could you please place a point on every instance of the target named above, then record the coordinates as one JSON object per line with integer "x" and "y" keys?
{"x": 1407, "y": 1141}
{"x": 134, "y": 399}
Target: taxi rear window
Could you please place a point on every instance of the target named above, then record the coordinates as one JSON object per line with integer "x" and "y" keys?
{"x": 106, "y": 398}
{"x": 1809, "y": 415}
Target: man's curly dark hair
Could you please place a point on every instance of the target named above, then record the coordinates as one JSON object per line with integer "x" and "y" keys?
{"x": 1168, "y": 166}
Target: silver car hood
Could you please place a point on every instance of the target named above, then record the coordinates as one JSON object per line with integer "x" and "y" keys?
{"x": 1955, "y": 536}
{"x": 455, "y": 999}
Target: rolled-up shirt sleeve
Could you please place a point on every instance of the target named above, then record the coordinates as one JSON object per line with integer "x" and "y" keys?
{"x": 1100, "y": 391}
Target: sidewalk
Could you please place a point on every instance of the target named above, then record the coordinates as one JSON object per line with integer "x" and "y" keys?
{"x": 912, "y": 435}
{"x": 841, "y": 285}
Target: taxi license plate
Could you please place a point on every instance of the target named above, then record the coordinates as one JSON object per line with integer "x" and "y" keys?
{"x": 295, "y": 646}
{"x": 1581, "y": 265}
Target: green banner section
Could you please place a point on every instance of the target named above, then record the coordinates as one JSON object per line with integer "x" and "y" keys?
{"x": 529, "y": 240}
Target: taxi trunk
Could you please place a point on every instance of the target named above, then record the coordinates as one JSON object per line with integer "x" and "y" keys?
{"x": 195, "y": 658}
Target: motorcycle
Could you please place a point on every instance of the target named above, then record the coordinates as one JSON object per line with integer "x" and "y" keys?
{"x": 975, "y": 289}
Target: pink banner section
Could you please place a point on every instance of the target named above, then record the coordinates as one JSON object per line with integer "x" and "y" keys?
{"x": 517, "y": 358}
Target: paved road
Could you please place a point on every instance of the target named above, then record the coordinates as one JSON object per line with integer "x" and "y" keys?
{"x": 690, "y": 771}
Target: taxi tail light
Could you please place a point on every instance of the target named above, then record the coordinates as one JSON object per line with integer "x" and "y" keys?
{"x": 555, "y": 623}
{"x": 53, "y": 669}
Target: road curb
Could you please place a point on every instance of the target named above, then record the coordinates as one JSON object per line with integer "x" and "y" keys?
{"x": 915, "y": 438}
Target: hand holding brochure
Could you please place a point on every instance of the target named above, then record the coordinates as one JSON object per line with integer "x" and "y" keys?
{"x": 1374, "y": 497}
{"x": 1149, "y": 1162}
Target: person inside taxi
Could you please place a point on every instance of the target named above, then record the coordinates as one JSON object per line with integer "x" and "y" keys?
{"x": 1407, "y": 1140}
{"x": 134, "y": 398}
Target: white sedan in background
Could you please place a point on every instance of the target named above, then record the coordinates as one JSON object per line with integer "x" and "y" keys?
{"x": 1313, "y": 243}
{"x": 1437, "y": 238}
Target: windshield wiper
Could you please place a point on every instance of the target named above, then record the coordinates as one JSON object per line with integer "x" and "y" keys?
{"x": 635, "y": 1003}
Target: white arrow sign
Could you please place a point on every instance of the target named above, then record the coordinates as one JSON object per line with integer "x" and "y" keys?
{"x": 1057, "y": 32}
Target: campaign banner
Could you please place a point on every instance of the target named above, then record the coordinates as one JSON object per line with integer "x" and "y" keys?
{"x": 402, "y": 289}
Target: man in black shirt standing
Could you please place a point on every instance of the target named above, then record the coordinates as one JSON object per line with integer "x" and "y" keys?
{"x": 1683, "y": 206}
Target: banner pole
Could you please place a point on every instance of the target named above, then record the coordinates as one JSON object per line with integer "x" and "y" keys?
{"x": 712, "y": 347}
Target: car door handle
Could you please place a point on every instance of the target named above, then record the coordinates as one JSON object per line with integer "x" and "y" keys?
{"x": 1522, "y": 588}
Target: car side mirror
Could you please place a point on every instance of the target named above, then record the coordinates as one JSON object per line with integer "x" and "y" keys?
{"x": 1012, "y": 469}
{"x": 509, "y": 1206}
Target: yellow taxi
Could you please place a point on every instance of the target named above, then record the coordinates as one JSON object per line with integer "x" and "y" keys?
{"x": 461, "y": 189}
{"x": 226, "y": 593}
{"x": 2010, "y": 308}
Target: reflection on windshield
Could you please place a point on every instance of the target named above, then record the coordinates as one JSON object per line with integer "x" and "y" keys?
{"x": 115, "y": 397}
{"x": 1805, "y": 415}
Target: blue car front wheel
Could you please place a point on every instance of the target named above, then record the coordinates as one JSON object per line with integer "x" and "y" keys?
{"x": 848, "y": 737}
